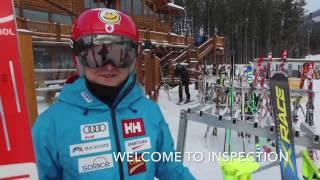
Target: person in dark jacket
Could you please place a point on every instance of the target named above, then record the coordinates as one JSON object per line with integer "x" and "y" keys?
{"x": 184, "y": 81}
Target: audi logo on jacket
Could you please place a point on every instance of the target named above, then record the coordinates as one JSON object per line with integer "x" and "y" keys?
{"x": 77, "y": 137}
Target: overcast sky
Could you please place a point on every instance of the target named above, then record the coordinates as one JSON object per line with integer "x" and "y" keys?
{"x": 312, "y": 5}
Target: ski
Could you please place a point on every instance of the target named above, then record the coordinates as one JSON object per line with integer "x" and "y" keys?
{"x": 242, "y": 109}
{"x": 296, "y": 104}
{"x": 258, "y": 72}
{"x": 283, "y": 60}
{"x": 280, "y": 98}
{"x": 186, "y": 102}
{"x": 16, "y": 151}
{"x": 266, "y": 70}
{"x": 254, "y": 100}
{"x": 310, "y": 103}
{"x": 231, "y": 100}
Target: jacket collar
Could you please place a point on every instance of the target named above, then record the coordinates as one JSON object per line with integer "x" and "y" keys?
{"x": 77, "y": 94}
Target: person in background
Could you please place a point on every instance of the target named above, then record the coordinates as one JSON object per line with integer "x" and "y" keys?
{"x": 103, "y": 114}
{"x": 182, "y": 71}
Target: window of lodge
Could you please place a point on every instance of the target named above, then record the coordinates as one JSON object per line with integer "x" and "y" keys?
{"x": 63, "y": 19}
{"x": 137, "y": 8}
{"x": 35, "y": 15}
{"x": 52, "y": 58}
{"x": 126, "y": 6}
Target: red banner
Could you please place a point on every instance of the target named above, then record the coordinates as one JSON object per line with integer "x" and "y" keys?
{"x": 16, "y": 150}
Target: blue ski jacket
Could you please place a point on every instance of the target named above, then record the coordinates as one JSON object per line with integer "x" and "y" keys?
{"x": 79, "y": 137}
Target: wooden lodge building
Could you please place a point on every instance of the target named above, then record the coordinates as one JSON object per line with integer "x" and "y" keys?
{"x": 44, "y": 32}
{"x": 50, "y": 22}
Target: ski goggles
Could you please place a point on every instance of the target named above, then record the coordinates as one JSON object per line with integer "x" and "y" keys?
{"x": 95, "y": 51}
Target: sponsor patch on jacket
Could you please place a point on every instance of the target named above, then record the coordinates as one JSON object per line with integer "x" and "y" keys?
{"x": 89, "y": 148}
{"x": 86, "y": 97}
{"x": 136, "y": 165}
{"x": 138, "y": 144}
{"x": 132, "y": 128}
{"x": 95, "y": 163}
{"x": 94, "y": 131}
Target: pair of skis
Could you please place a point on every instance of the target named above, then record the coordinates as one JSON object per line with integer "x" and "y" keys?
{"x": 16, "y": 151}
{"x": 280, "y": 99}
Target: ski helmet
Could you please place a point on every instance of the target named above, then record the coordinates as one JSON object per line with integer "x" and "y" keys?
{"x": 100, "y": 36}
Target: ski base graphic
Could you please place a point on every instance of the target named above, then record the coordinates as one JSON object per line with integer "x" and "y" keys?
{"x": 17, "y": 159}
{"x": 280, "y": 99}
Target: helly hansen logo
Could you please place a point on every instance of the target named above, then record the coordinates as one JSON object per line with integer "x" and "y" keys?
{"x": 132, "y": 128}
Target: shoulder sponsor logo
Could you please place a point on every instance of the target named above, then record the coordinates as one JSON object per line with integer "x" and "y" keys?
{"x": 136, "y": 165}
{"x": 94, "y": 131}
{"x": 95, "y": 163}
{"x": 138, "y": 144}
{"x": 89, "y": 148}
{"x": 86, "y": 97}
{"x": 132, "y": 128}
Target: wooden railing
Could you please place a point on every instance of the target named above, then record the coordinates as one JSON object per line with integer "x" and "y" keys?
{"x": 162, "y": 37}
{"x": 147, "y": 22}
{"x": 46, "y": 29}
{"x": 75, "y": 6}
{"x": 205, "y": 48}
{"x": 166, "y": 62}
{"x": 168, "y": 57}
{"x": 219, "y": 41}
{"x": 159, "y": 36}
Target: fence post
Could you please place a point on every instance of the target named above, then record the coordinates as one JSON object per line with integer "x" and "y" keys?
{"x": 139, "y": 62}
{"x": 58, "y": 30}
{"x": 182, "y": 133}
{"x": 148, "y": 34}
{"x": 147, "y": 72}
{"x": 25, "y": 43}
{"x": 156, "y": 80}
{"x": 189, "y": 56}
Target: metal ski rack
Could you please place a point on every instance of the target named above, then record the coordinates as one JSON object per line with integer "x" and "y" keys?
{"x": 293, "y": 92}
{"x": 296, "y": 60}
{"x": 201, "y": 114}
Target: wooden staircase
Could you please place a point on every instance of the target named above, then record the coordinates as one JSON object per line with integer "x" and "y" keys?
{"x": 193, "y": 57}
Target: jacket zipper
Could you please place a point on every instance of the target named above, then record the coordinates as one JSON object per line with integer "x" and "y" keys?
{"x": 114, "y": 125}
{"x": 116, "y": 133}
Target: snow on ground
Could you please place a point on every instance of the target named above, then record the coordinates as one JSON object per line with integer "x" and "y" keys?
{"x": 315, "y": 57}
{"x": 195, "y": 141}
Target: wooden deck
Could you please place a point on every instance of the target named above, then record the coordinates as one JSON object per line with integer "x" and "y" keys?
{"x": 61, "y": 32}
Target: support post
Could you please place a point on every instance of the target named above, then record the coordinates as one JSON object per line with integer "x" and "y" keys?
{"x": 147, "y": 72}
{"x": 183, "y": 125}
{"x": 25, "y": 43}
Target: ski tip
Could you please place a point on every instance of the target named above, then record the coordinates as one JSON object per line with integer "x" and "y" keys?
{"x": 278, "y": 73}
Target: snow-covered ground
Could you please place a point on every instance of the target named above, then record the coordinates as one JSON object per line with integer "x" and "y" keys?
{"x": 196, "y": 142}
{"x": 314, "y": 57}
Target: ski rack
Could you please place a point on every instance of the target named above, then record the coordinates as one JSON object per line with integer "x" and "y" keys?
{"x": 197, "y": 113}
{"x": 293, "y": 92}
{"x": 291, "y": 60}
